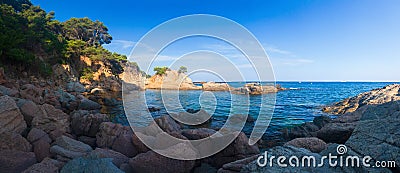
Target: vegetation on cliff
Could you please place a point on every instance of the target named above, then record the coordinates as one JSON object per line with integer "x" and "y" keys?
{"x": 32, "y": 40}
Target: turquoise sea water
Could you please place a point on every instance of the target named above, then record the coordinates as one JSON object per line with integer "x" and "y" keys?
{"x": 300, "y": 103}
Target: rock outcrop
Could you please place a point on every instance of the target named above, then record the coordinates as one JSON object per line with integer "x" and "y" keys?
{"x": 257, "y": 89}
{"x": 212, "y": 86}
{"x": 171, "y": 80}
{"x": 377, "y": 96}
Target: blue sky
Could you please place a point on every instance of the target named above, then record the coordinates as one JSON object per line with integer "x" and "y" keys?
{"x": 309, "y": 40}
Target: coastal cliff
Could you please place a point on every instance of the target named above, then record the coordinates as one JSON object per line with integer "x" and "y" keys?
{"x": 171, "y": 80}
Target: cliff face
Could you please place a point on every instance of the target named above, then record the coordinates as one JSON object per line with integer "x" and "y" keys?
{"x": 171, "y": 80}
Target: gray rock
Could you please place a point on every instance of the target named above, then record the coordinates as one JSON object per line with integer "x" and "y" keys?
{"x": 75, "y": 87}
{"x": 117, "y": 158}
{"x": 167, "y": 124}
{"x": 87, "y": 123}
{"x": 70, "y": 148}
{"x": 196, "y": 134}
{"x": 41, "y": 148}
{"x": 237, "y": 165}
{"x": 88, "y": 165}
{"x": 11, "y": 119}
{"x": 377, "y": 133}
{"x": 86, "y": 104}
{"x": 12, "y": 161}
{"x": 8, "y": 91}
{"x": 336, "y": 132}
{"x": 311, "y": 143}
{"x": 14, "y": 141}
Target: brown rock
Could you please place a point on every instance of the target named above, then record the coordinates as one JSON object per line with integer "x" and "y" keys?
{"x": 167, "y": 124}
{"x": 313, "y": 144}
{"x": 171, "y": 80}
{"x": 12, "y": 161}
{"x": 37, "y": 134}
{"x": 87, "y": 123}
{"x": 212, "y": 86}
{"x": 41, "y": 148}
{"x": 14, "y": 141}
{"x": 157, "y": 163}
{"x": 117, "y": 137}
{"x": 53, "y": 121}
{"x": 29, "y": 109}
{"x": 11, "y": 119}
{"x": 46, "y": 166}
{"x": 31, "y": 92}
{"x": 2, "y": 76}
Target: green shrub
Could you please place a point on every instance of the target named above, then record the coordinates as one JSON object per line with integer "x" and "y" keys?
{"x": 160, "y": 70}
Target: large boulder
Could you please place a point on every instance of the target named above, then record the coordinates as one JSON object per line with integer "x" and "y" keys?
{"x": 29, "y": 109}
{"x": 377, "y": 133}
{"x": 157, "y": 163}
{"x": 90, "y": 165}
{"x": 11, "y": 119}
{"x": 116, "y": 137}
{"x": 336, "y": 132}
{"x": 14, "y": 141}
{"x": 237, "y": 165}
{"x": 167, "y": 124}
{"x": 8, "y": 91}
{"x": 311, "y": 143}
{"x": 70, "y": 148}
{"x": 86, "y": 104}
{"x": 38, "y": 134}
{"x": 53, "y": 121}
{"x": 377, "y": 96}
{"x": 12, "y": 161}
{"x": 87, "y": 123}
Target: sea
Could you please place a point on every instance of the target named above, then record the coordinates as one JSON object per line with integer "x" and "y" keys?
{"x": 299, "y": 103}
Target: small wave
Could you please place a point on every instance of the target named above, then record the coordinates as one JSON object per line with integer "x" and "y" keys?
{"x": 294, "y": 88}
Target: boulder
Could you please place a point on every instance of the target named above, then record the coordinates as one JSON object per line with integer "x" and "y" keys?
{"x": 41, "y": 148}
{"x": 86, "y": 123}
{"x": 116, "y": 137}
{"x": 2, "y": 76}
{"x": 12, "y": 161}
{"x": 11, "y": 119}
{"x": 53, "y": 121}
{"x": 157, "y": 163}
{"x": 313, "y": 144}
{"x": 377, "y": 96}
{"x": 86, "y": 104}
{"x": 46, "y": 166}
{"x": 117, "y": 158}
{"x": 31, "y": 92}
{"x": 38, "y": 134}
{"x": 196, "y": 134}
{"x": 90, "y": 165}
{"x": 256, "y": 89}
{"x": 336, "y": 132}
{"x": 377, "y": 133}
{"x": 29, "y": 109}
{"x": 167, "y": 124}
{"x": 70, "y": 148}
{"x": 91, "y": 141}
{"x": 75, "y": 87}
{"x": 8, "y": 91}
{"x": 14, "y": 141}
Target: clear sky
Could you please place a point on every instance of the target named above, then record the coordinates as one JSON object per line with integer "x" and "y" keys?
{"x": 308, "y": 40}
